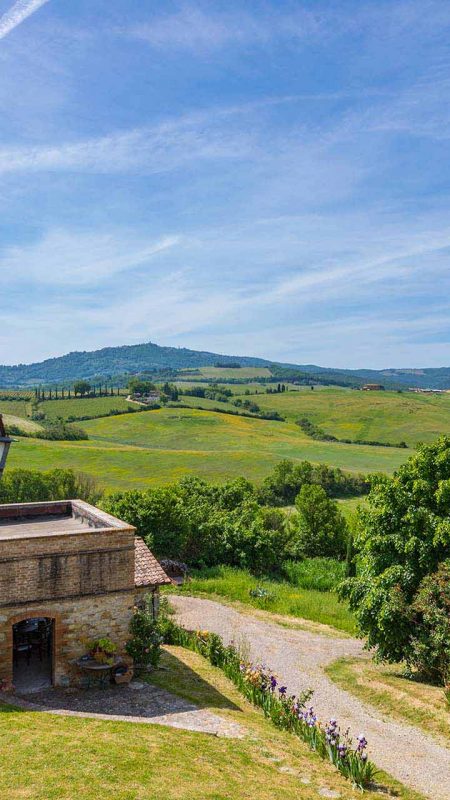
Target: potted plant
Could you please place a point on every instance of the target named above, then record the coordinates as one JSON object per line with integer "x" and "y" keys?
{"x": 102, "y": 650}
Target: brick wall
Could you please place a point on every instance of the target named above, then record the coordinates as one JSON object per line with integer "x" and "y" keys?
{"x": 41, "y": 569}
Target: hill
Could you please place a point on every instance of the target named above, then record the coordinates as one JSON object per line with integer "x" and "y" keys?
{"x": 110, "y": 362}
{"x": 158, "y": 447}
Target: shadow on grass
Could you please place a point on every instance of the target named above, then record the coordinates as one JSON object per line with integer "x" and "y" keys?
{"x": 177, "y": 677}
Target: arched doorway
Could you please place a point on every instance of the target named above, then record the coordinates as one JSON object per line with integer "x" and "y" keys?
{"x": 33, "y": 643}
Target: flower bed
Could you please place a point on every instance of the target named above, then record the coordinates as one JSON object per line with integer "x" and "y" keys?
{"x": 288, "y": 712}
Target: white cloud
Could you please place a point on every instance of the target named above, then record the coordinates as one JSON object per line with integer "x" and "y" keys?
{"x": 67, "y": 258}
{"x": 194, "y": 29}
{"x": 150, "y": 149}
{"x": 17, "y": 14}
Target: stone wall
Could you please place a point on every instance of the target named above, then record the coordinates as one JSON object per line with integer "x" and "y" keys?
{"x": 74, "y": 623}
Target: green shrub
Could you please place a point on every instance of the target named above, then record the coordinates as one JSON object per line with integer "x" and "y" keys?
{"x": 205, "y": 525}
{"x": 59, "y": 431}
{"x": 321, "y": 574}
{"x": 144, "y": 646}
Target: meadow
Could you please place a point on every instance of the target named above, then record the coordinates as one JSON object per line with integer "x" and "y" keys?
{"x": 157, "y": 447}
{"x": 279, "y": 597}
{"x": 377, "y": 416}
{"x": 222, "y": 373}
{"x": 83, "y": 406}
{"x": 18, "y": 408}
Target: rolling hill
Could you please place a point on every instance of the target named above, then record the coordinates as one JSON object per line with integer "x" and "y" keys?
{"x": 150, "y": 357}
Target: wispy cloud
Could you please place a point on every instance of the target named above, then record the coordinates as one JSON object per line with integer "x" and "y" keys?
{"x": 17, "y": 14}
{"x": 192, "y": 28}
{"x": 79, "y": 258}
{"x": 153, "y": 149}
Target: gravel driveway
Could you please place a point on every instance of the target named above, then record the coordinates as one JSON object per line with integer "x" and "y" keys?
{"x": 298, "y": 656}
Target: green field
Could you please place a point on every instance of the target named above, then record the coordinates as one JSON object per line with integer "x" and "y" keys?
{"x": 17, "y": 408}
{"x": 23, "y": 423}
{"x": 157, "y": 447}
{"x": 221, "y": 374}
{"x": 378, "y": 416}
{"x": 82, "y": 406}
{"x": 284, "y": 598}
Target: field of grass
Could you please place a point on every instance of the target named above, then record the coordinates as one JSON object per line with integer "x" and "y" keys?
{"x": 222, "y": 375}
{"x": 157, "y": 447}
{"x": 349, "y": 505}
{"x": 48, "y": 757}
{"x": 82, "y": 406}
{"x": 378, "y": 416}
{"x": 236, "y": 584}
{"x": 385, "y": 687}
{"x": 16, "y": 408}
{"x": 27, "y": 425}
{"x": 220, "y": 434}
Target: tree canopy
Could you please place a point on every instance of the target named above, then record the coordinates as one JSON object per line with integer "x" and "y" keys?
{"x": 403, "y": 537}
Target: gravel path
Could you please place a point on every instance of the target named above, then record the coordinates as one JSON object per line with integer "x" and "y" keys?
{"x": 297, "y": 657}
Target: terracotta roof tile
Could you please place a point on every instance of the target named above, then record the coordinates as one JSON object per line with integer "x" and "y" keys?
{"x": 147, "y": 570}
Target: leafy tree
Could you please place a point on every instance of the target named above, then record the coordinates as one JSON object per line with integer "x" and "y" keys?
{"x": 320, "y": 527}
{"x": 82, "y": 387}
{"x": 171, "y": 391}
{"x": 205, "y": 525}
{"x": 431, "y": 615}
{"x": 156, "y": 514}
{"x": 140, "y": 386}
{"x": 403, "y": 537}
{"x": 27, "y": 486}
{"x": 287, "y": 478}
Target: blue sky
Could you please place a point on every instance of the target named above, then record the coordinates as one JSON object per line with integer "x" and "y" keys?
{"x": 255, "y": 178}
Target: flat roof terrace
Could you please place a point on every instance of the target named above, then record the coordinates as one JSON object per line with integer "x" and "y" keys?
{"x": 56, "y": 518}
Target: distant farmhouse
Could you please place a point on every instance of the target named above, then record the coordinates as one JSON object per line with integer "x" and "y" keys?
{"x": 373, "y": 387}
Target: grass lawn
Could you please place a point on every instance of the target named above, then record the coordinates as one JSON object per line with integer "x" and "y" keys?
{"x": 385, "y": 687}
{"x": 378, "y": 416}
{"x": 235, "y": 584}
{"x": 48, "y": 757}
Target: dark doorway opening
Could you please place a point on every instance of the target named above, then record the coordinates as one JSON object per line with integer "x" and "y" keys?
{"x": 33, "y": 654}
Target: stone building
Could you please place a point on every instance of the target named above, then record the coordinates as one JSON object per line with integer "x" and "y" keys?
{"x": 74, "y": 569}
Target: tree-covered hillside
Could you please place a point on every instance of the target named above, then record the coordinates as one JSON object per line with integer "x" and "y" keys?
{"x": 149, "y": 357}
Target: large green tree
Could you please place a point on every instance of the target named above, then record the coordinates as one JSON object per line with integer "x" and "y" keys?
{"x": 403, "y": 536}
{"x": 320, "y": 526}
{"x": 82, "y": 387}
